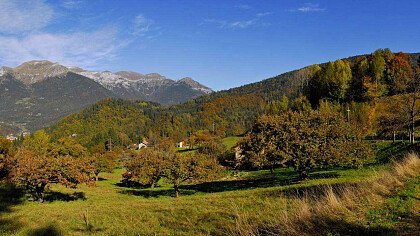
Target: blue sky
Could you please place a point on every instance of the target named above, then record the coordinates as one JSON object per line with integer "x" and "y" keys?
{"x": 221, "y": 44}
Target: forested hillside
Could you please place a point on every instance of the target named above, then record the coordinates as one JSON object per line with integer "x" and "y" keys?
{"x": 376, "y": 92}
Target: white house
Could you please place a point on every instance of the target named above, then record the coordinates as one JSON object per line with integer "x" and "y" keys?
{"x": 142, "y": 145}
{"x": 11, "y": 137}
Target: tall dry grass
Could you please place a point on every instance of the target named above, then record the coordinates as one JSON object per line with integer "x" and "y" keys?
{"x": 330, "y": 208}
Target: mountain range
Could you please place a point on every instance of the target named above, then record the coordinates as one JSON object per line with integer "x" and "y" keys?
{"x": 36, "y": 94}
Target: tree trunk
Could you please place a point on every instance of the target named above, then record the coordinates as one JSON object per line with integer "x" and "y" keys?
{"x": 176, "y": 188}
{"x": 394, "y": 138}
{"x": 96, "y": 177}
{"x": 303, "y": 174}
{"x": 412, "y": 127}
{"x": 39, "y": 189}
{"x": 409, "y": 135}
{"x": 272, "y": 169}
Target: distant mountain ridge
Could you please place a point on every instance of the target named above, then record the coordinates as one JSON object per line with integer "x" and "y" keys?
{"x": 38, "y": 93}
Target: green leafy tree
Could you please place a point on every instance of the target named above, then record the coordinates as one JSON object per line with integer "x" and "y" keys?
{"x": 301, "y": 104}
{"x": 331, "y": 82}
{"x": 377, "y": 70}
{"x": 39, "y": 142}
{"x": 277, "y": 107}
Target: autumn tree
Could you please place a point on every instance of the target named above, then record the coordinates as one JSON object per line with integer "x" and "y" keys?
{"x": 39, "y": 163}
{"x": 199, "y": 137}
{"x": 391, "y": 117}
{"x": 150, "y": 165}
{"x": 262, "y": 149}
{"x": 103, "y": 162}
{"x": 399, "y": 113}
{"x": 304, "y": 141}
{"x": 191, "y": 167}
{"x": 214, "y": 147}
{"x": 412, "y": 102}
{"x": 5, "y": 153}
{"x": 146, "y": 167}
{"x": 400, "y": 75}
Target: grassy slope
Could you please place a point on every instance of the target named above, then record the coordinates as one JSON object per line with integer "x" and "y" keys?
{"x": 111, "y": 209}
{"x": 209, "y": 208}
{"x": 231, "y": 141}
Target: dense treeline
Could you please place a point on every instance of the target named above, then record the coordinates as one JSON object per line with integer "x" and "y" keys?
{"x": 367, "y": 78}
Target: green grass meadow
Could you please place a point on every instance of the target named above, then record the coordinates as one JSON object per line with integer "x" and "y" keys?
{"x": 108, "y": 208}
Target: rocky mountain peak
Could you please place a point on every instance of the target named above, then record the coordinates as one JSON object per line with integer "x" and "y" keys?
{"x": 38, "y": 70}
{"x": 195, "y": 85}
{"x": 131, "y": 75}
{"x": 5, "y": 70}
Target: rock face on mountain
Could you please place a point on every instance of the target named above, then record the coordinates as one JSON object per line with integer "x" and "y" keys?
{"x": 36, "y": 71}
{"x": 38, "y": 93}
{"x": 151, "y": 87}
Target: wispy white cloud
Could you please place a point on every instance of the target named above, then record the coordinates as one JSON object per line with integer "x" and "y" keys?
{"x": 243, "y": 7}
{"x": 256, "y": 21}
{"x": 242, "y": 24}
{"x": 85, "y": 49}
{"x": 24, "y": 37}
{"x": 261, "y": 14}
{"x": 142, "y": 25}
{"x": 308, "y": 7}
{"x": 72, "y": 4}
{"x": 17, "y": 16}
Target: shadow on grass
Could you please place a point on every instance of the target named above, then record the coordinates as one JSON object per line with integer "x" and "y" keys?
{"x": 49, "y": 230}
{"x": 89, "y": 229}
{"x": 52, "y": 196}
{"x": 154, "y": 193}
{"x": 9, "y": 197}
{"x": 388, "y": 151}
{"x": 221, "y": 186}
{"x": 265, "y": 180}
